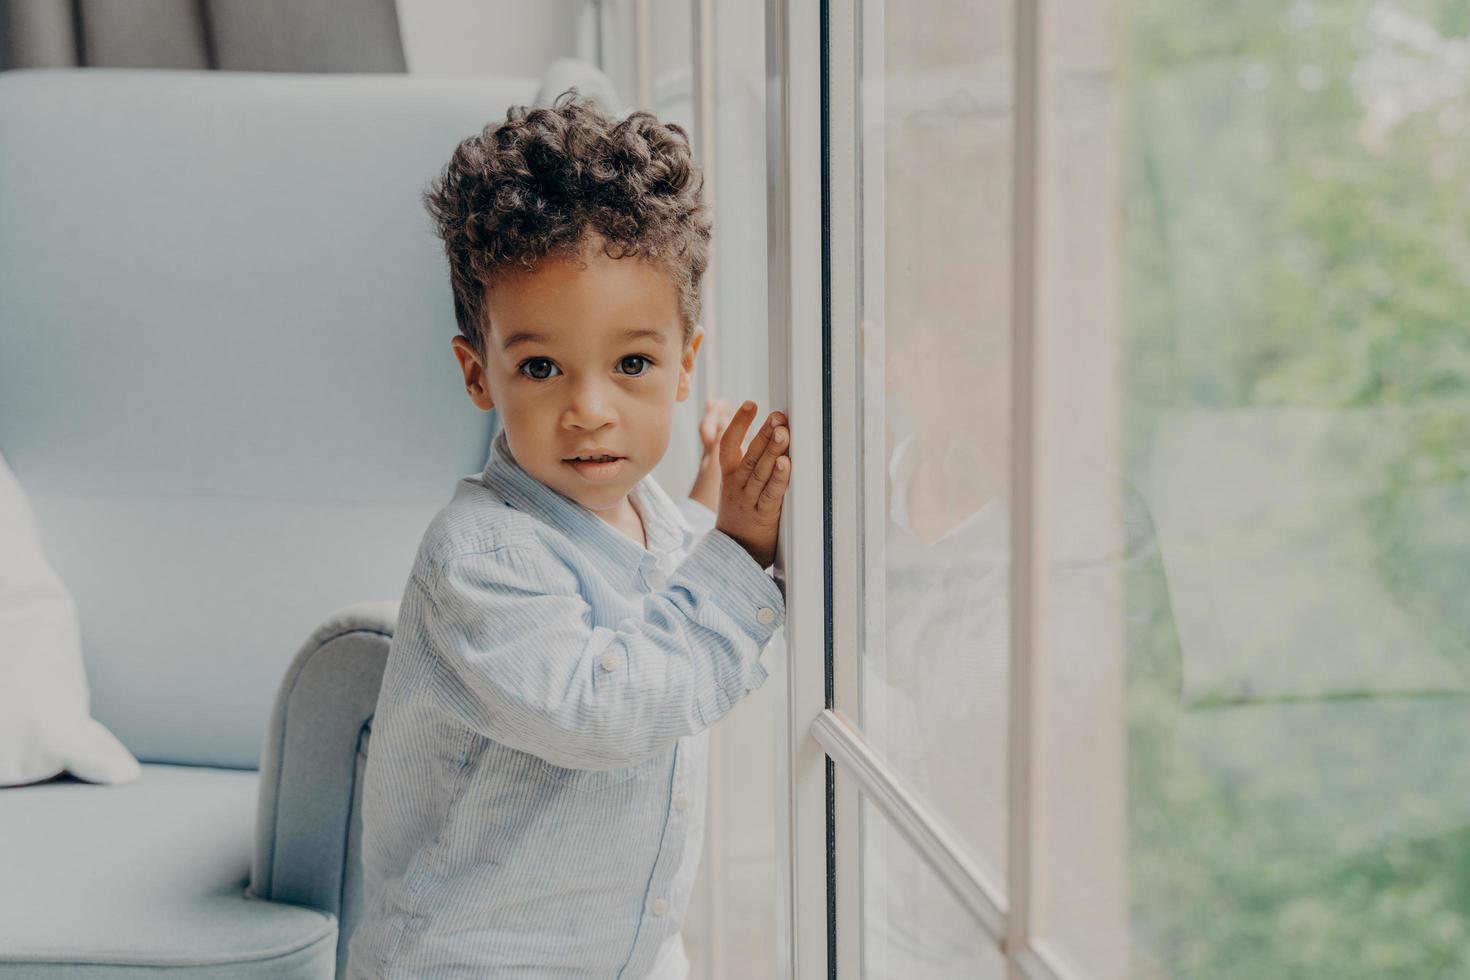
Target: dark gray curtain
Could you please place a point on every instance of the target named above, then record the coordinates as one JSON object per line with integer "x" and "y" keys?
{"x": 236, "y": 35}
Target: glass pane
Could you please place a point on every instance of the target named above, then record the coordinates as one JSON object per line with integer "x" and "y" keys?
{"x": 934, "y": 207}
{"x": 1271, "y": 521}
{"x": 913, "y": 926}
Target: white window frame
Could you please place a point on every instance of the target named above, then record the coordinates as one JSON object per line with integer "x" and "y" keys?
{"x": 815, "y": 732}
{"x": 794, "y": 290}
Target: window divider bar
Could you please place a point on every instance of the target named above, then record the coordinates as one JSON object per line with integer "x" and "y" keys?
{"x": 1037, "y": 963}
{"x": 643, "y": 52}
{"x": 795, "y": 336}
{"x": 706, "y": 130}
{"x": 850, "y": 422}
{"x": 715, "y": 876}
{"x": 920, "y": 826}
{"x": 1028, "y": 485}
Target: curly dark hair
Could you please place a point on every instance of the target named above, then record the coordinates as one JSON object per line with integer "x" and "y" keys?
{"x": 546, "y": 180}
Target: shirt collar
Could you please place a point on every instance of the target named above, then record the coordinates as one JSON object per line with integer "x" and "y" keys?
{"x": 665, "y": 526}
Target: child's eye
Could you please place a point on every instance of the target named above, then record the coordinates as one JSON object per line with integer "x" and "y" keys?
{"x": 636, "y": 357}
{"x": 535, "y": 360}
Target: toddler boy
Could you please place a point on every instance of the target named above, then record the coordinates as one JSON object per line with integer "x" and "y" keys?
{"x": 533, "y": 804}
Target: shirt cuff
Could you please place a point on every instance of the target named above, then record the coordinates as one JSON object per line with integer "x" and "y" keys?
{"x": 719, "y": 568}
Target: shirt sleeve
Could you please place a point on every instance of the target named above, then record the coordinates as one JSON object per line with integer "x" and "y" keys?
{"x": 518, "y": 635}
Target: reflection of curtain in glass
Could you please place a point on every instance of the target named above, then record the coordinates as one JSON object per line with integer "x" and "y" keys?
{"x": 237, "y": 35}
{"x": 937, "y": 707}
{"x": 937, "y": 710}
{"x": 935, "y": 693}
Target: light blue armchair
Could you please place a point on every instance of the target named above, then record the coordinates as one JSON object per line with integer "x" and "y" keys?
{"x": 226, "y": 384}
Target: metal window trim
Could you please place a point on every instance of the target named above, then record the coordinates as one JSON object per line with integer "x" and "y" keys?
{"x": 643, "y": 52}
{"x": 870, "y": 190}
{"x": 794, "y": 165}
{"x": 1028, "y": 527}
{"x": 940, "y": 847}
{"x": 706, "y": 152}
{"x": 795, "y": 297}
{"x": 851, "y": 504}
{"x": 713, "y": 882}
{"x": 1038, "y": 962}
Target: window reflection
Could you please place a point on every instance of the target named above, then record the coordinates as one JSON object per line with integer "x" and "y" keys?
{"x": 936, "y": 285}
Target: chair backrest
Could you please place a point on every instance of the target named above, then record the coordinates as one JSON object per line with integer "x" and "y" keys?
{"x": 225, "y": 373}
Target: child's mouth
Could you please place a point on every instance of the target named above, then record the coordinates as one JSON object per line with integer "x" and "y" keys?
{"x": 591, "y": 470}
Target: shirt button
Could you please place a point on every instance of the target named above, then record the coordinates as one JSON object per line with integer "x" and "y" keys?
{"x": 766, "y": 615}
{"x": 611, "y": 660}
{"x": 660, "y": 907}
{"x": 681, "y": 802}
{"x": 656, "y": 578}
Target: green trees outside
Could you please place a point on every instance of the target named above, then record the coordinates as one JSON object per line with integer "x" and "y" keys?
{"x": 1296, "y": 235}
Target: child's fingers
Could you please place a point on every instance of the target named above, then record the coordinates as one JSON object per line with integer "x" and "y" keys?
{"x": 758, "y": 446}
{"x": 720, "y": 412}
{"x": 769, "y": 502}
{"x": 764, "y": 464}
{"x": 734, "y": 434}
{"x": 776, "y": 444}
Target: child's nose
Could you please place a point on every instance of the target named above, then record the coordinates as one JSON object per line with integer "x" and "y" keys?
{"x": 591, "y": 405}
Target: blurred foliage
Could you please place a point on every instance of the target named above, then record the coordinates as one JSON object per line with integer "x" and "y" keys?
{"x": 1296, "y": 234}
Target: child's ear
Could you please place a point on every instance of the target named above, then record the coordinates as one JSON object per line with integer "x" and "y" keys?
{"x": 475, "y": 384}
{"x": 686, "y": 367}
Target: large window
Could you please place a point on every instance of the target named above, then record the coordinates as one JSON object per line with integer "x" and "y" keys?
{"x": 1146, "y": 489}
{"x": 929, "y": 132}
{"x": 1295, "y": 339}
{"x": 932, "y": 197}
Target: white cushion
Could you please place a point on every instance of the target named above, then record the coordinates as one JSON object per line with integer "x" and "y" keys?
{"x": 147, "y": 880}
{"x": 46, "y": 726}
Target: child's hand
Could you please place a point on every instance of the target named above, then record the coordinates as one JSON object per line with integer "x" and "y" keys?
{"x": 706, "y": 489}
{"x": 753, "y": 484}
{"x": 717, "y": 415}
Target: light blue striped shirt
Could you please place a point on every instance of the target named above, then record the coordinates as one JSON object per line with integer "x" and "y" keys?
{"x": 533, "y": 804}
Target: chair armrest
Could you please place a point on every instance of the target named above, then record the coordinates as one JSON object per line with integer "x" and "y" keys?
{"x": 307, "y": 822}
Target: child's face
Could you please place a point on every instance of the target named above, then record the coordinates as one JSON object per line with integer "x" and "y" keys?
{"x": 584, "y": 387}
